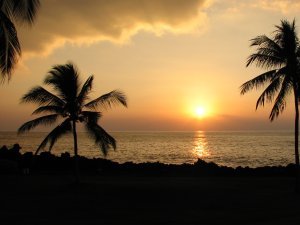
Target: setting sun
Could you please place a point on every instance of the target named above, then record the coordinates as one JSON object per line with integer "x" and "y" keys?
{"x": 200, "y": 112}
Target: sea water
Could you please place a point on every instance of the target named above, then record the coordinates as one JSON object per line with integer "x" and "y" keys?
{"x": 240, "y": 148}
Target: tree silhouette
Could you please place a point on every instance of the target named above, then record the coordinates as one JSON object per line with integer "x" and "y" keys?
{"x": 70, "y": 103}
{"x": 11, "y": 12}
{"x": 280, "y": 57}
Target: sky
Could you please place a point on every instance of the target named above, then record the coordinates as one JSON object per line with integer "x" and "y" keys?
{"x": 174, "y": 60}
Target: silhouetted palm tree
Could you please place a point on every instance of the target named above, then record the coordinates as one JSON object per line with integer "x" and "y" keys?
{"x": 70, "y": 104}
{"x": 279, "y": 55}
{"x": 12, "y": 11}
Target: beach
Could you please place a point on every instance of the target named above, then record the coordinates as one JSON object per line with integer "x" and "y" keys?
{"x": 55, "y": 199}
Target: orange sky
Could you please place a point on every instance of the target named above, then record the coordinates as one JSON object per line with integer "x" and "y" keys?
{"x": 168, "y": 56}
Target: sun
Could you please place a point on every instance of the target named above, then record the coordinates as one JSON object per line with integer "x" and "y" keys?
{"x": 200, "y": 112}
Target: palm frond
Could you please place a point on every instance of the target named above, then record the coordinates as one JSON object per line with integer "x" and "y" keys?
{"x": 263, "y": 42}
{"x": 257, "y": 82}
{"x": 65, "y": 80}
{"x": 108, "y": 100}
{"x": 85, "y": 90}
{"x": 286, "y": 36}
{"x": 280, "y": 102}
{"x": 23, "y": 11}
{"x": 269, "y": 53}
{"x": 48, "y": 109}
{"x": 101, "y": 137}
{"x": 10, "y": 48}
{"x": 90, "y": 116}
{"x": 62, "y": 129}
{"x": 269, "y": 92}
{"x": 41, "y": 96}
{"x": 43, "y": 120}
{"x": 265, "y": 61}
{"x": 275, "y": 84}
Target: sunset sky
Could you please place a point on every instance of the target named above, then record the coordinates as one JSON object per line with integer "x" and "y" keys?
{"x": 180, "y": 62}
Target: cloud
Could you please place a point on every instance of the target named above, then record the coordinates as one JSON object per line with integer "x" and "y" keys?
{"x": 89, "y": 21}
{"x": 284, "y": 6}
{"x": 233, "y": 7}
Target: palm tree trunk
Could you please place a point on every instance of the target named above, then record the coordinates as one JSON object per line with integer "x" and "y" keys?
{"x": 75, "y": 151}
{"x": 297, "y": 140}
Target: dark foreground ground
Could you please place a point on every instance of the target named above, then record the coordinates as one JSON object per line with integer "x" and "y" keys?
{"x": 55, "y": 199}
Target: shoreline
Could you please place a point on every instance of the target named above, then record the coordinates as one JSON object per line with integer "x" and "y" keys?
{"x": 11, "y": 161}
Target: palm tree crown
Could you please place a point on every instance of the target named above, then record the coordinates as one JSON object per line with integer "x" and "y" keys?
{"x": 70, "y": 103}
{"x": 11, "y": 12}
{"x": 279, "y": 57}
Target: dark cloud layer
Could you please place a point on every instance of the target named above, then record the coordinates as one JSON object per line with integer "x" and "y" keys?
{"x": 88, "y": 21}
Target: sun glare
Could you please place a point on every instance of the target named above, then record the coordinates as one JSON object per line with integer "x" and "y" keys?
{"x": 200, "y": 112}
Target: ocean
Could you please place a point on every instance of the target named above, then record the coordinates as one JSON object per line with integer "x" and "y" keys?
{"x": 240, "y": 148}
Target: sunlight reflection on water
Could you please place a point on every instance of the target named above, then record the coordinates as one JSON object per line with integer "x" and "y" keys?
{"x": 200, "y": 149}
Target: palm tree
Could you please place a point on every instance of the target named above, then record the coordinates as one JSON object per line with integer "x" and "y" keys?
{"x": 11, "y": 12}
{"x": 70, "y": 104}
{"x": 279, "y": 56}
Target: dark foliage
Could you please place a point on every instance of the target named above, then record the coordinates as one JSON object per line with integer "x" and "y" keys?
{"x": 11, "y": 12}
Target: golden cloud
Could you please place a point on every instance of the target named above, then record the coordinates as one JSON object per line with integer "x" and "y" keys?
{"x": 90, "y": 21}
{"x": 285, "y": 6}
